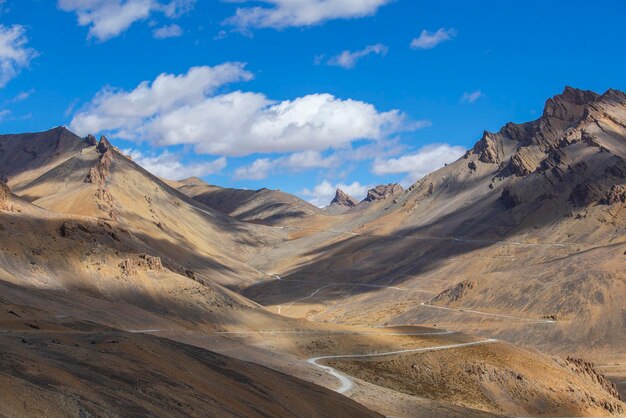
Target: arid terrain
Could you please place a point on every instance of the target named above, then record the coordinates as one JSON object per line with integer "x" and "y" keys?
{"x": 494, "y": 286}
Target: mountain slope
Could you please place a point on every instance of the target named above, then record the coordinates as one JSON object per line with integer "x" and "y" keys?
{"x": 98, "y": 181}
{"x": 529, "y": 223}
{"x": 264, "y": 206}
{"x": 24, "y": 157}
{"x": 47, "y": 362}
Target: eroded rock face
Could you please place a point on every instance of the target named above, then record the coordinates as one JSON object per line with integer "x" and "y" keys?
{"x": 5, "y": 201}
{"x": 141, "y": 262}
{"x": 569, "y": 105}
{"x": 487, "y": 149}
{"x": 98, "y": 174}
{"x": 456, "y": 292}
{"x": 588, "y": 371}
{"x": 343, "y": 199}
{"x": 585, "y": 193}
{"x": 520, "y": 164}
{"x": 91, "y": 232}
{"x": 91, "y": 140}
{"x": 4, "y": 191}
{"x": 509, "y": 198}
{"x": 383, "y": 192}
{"x": 617, "y": 194}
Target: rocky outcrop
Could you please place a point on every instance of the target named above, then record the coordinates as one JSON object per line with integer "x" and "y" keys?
{"x": 488, "y": 149}
{"x": 585, "y": 193}
{"x": 98, "y": 175}
{"x": 90, "y": 232}
{"x": 570, "y": 105}
{"x": 521, "y": 163}
{"x": 588, "y": 371}
{"x": 509, "y": 199}
{"x": 383, "y": 192}
{"x": 5, "y": 199}
{"x": 91, "y": 140}
{"x": 4, "y": 196}
{"x": 343, "y": 199}
{"x": 617, "y": 194}
{"x": 456, "y": 292}
{"x": 103, "y": 145}
{"x": 141, "y": 262}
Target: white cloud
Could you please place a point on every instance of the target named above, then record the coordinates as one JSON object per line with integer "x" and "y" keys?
{"x": 322, "y": 194}
{"x": 349, "y": 59}
{"x": 471, "y": 97}
{"x": 182, "y": 109}
{"x": 107, "y": 19}
{"x": 169, "y": 31}
{"x": 288, "y": 13}
{"x": 118, "y": 110}
{"x": 177, "y": 8}
{"x": 428, "y": 40}
{"x": 258, "y": 170}
{"x": 308, "y": 159}
{"x": 4, "y": 114}
{"x": 167, "y": 165}
{"x": 425, "y": 161}
{"x": 298, "y": 161}
{"x": 15, "y": 55}
{"x": 21, "y": 96}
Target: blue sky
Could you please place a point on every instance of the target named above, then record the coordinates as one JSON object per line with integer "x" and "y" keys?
{"x": 301, "y": 95}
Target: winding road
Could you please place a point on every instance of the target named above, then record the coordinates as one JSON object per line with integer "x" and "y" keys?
{"x": 347, "y": 382}
{"x": 455, "y": 239}
{"x": 337, "y": 284}
{"x": 425, "y": 304}
{"x": 465, "y": 310}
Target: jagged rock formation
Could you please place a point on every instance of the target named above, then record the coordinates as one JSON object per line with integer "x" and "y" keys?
{"x": 4, "y": 195}
{"x": 98, "y": 174}
{"x": 383, "y": 192}
{"x": 343, "y": 199}
{"x": 5, "y": 199}
{"x": 508, "y": 198}
{"x": 488, "y": 149}
{"x": 616, "y": 195}
{"x": 456, "y": 292}
{"x": 574, "y": 122}
{"x": 588, "y": 370}
{"x": 141, "y": 262}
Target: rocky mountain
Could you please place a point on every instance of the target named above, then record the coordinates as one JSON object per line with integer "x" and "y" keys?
{"x": 342, "y": 199}
{"x": 532, "y": 216}
{"x": 99, "y": 181}
{"x": 25, "y": 157}
{"x": 139, "y": 285}
{"x": 341, "y": 203}
{"x": 383, "y": 192}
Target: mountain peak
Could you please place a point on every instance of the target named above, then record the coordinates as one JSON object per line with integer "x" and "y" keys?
{"x": 343, "y": 199}
{"x": 569, "y": 105}
{"x": 194, "y": 181}
{"x": 383, "y": 192}
{"x": 613, "y": 95}
{"x": 91, "y": 140}
{"x": 104, "y": 145}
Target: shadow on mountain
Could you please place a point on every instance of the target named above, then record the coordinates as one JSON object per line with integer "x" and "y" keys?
{"x": 409, "y": 252}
